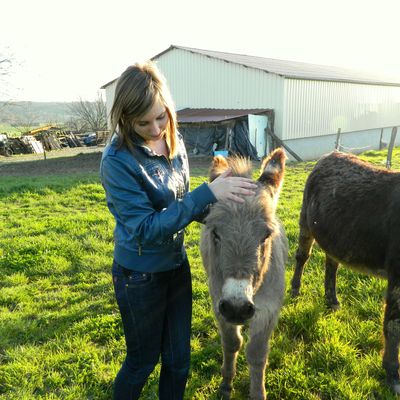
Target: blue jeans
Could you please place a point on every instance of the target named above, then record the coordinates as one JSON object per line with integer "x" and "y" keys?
{"x": 156, "y": 311}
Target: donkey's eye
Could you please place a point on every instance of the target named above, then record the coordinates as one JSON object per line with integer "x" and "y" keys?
{"x": 265, "y": 237}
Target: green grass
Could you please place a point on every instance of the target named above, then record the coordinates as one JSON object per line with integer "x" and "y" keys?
{"x": 60, "y": 332}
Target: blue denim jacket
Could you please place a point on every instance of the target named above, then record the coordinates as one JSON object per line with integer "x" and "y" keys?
{"x": 148, "y": 196}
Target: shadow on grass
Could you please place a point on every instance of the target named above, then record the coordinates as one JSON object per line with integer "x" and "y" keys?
{"x": 10, "y": 186}
{"x": 86, "y": 162}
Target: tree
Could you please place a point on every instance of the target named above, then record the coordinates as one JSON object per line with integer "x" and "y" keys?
{"x": 27, "y": 119}
{"x": 89, "y": 115}
{"x": 6, "y": 64}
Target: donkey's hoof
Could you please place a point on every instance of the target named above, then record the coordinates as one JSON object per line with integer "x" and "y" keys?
{"x": 394, "y": 384}
{"x": 333, "y": 306}
{"x": 295, "y": 292}
{"x": 396, "y": 388}
{"x": 258, "y": 397}
{"x": 225, "y": 391}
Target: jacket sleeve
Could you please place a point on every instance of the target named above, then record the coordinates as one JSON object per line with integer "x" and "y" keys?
{"x": 135, "y": 211}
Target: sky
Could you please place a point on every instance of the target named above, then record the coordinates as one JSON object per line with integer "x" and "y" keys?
{"x": 64, "y": 50}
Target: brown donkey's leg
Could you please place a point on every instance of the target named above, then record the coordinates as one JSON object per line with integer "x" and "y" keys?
{"x": 331, "y": 267}
{"x": 391, "y": 330}
{"x": 306, "y": 241}
{"x": 231, "y": 342}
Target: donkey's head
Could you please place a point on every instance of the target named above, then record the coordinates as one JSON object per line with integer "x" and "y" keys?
{"x": 237, "y": 238}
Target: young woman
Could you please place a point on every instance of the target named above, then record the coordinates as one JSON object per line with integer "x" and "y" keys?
{"x": 144, "y": 171}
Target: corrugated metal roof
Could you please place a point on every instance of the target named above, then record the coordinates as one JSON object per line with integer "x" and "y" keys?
{"x": 291, "y": 69}
{"x": 108, "y": 83}
{"x": 213, "y": 115}
{"x": 295, "y": 69}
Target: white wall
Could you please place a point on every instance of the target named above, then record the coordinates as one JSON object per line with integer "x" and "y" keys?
{"x": 312, "y": 148}
{"x": 315, "y": 108}
{"x": 110, "y": 90}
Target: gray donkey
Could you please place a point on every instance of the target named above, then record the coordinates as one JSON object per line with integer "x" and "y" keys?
{"x": 244, "y": 251}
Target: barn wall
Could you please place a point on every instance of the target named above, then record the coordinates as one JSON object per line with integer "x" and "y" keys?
{"x": 319, "y": 108}
{"x": 198, "y": 81}
{"x": 110, "y": 90}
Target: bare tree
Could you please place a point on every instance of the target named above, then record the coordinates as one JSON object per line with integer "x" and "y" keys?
{"x": 89, "y": 115}
{"x": 29, "y": 118}
{"x": 75, "y": 124}
{"x": 6, "y": 64}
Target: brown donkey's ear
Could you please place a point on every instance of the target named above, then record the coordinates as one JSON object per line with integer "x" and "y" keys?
{"x": 273, "y": 169}
{"x": 219, "y": 164}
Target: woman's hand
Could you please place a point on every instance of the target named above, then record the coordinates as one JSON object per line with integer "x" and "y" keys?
{"x": 227, "y": 187}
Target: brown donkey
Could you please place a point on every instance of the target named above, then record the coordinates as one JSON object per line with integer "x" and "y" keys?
{"x": 352, "y": 209}
{"x": 244, "y": 251}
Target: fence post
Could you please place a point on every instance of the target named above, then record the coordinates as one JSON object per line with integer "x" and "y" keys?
{"x": 380, "y": 140}
{"x": 337, "y": 143}
{"x": 391, "y": 146}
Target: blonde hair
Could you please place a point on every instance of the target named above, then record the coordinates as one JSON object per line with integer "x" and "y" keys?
{"x": 138, "y": 87}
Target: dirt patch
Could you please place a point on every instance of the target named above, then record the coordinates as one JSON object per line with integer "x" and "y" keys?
{"x": 66, "y": 161}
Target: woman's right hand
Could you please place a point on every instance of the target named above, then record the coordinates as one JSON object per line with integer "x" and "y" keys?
{"x": 227, "y": 187}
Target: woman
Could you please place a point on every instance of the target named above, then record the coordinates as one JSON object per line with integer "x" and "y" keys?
{"x": 144, "y": 171}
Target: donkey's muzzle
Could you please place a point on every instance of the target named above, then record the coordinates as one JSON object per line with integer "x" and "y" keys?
{"x": 236, "y": 313}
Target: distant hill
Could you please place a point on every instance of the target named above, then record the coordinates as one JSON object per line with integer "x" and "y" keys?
{"x": 26, "y": 113}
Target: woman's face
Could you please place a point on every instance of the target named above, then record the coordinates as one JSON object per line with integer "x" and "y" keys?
{"x": 151, "y": 126}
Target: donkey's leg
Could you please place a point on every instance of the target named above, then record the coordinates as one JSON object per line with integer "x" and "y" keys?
{"x": 257, "y": 355}
{"x": 306, "y": 241}
{"x": 231, "y": 342}
{"x": 331, "y": 267}
{"x": 391, "y": 330}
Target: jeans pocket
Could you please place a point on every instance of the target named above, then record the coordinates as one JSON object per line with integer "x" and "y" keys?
{"x": 136, "y": 278}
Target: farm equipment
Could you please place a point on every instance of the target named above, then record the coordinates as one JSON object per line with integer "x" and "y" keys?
{"x": 90, "y": 139}
{"x": 5, "y": 149}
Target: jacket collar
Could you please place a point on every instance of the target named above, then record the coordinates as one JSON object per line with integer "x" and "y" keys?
{"x": 137, "y": 141}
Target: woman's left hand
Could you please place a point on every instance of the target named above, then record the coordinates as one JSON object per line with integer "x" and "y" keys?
{"x": 227, "y": 187}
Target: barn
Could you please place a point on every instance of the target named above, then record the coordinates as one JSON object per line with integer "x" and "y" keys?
{"x": 251, "y": 104}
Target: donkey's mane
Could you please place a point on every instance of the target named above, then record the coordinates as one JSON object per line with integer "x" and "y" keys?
{"x": 240, "y": 166}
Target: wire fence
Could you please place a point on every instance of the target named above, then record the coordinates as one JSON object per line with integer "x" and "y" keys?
{"x": 340, "y": 147}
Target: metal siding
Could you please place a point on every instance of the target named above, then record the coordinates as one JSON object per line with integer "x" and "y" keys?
{"x": 110, "y": 91}
{"x": 198, "y": 81}
{"x": 314, "y": 108}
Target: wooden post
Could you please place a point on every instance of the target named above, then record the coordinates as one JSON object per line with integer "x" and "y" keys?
{"x": 255, "y": 142}
{"x": 285, "y": 146}
{"x": 337, "y": 143}
{"x": 391, "y": 146}
{"x": 380, "y": 140}
{"x": 266, "y": 147}
{"x": 228, "y": 132}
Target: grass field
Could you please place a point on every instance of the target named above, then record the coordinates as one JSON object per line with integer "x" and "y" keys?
{"x": 60, "y": 332}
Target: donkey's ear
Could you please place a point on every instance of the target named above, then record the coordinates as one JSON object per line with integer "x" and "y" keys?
{"x": 273, "y": 169}
{"x": 219, "y": 164}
